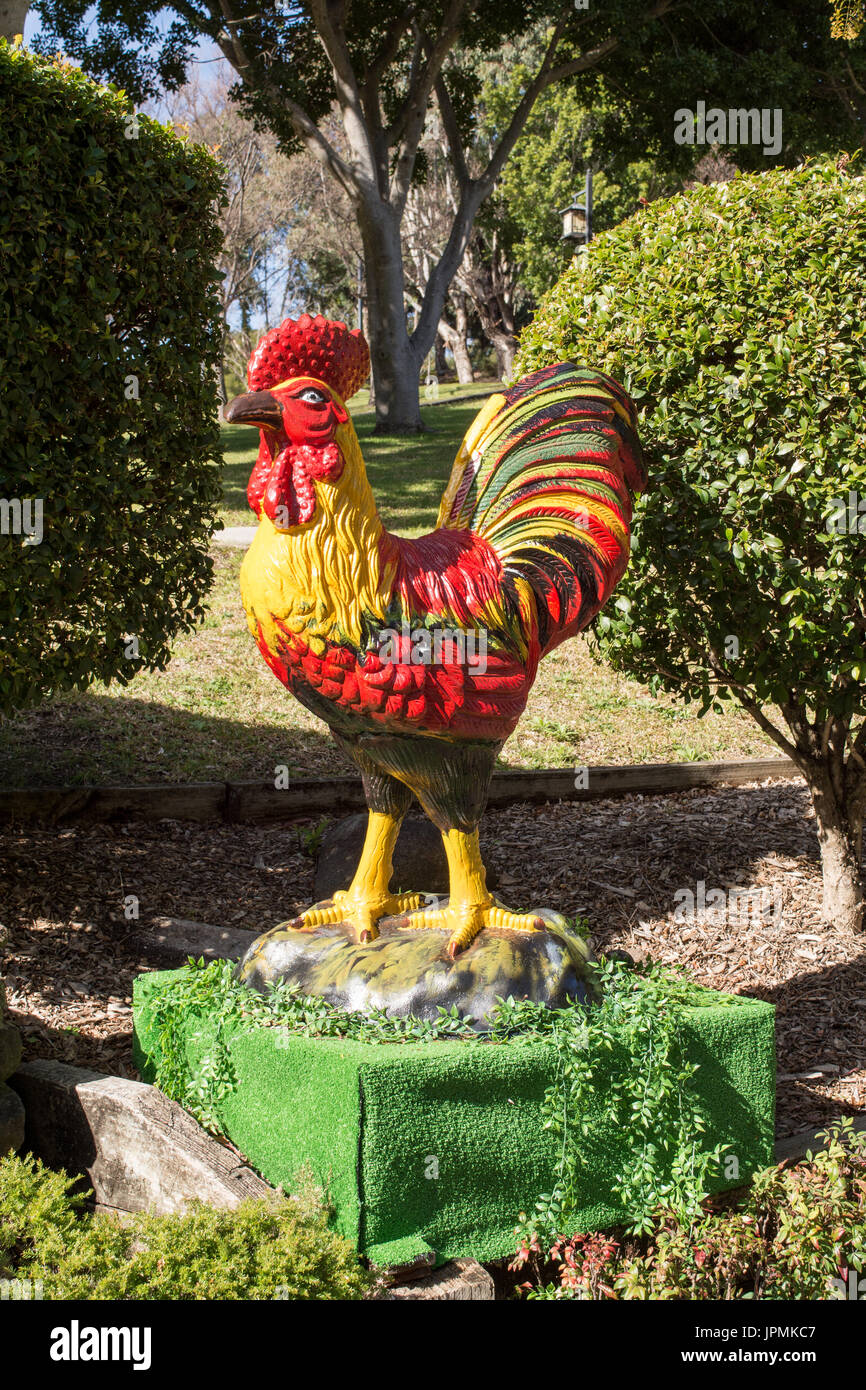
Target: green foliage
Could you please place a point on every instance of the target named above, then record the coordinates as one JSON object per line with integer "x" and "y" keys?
{"x": 637, "y": 1014}
{"x": 109, "y": 344}
{"x": 273, "y": 1248}
{"x": 560, "y": 141}
{"x": 310, "y": 836}
{"x": 800, "y": 1234}
{"x": 734, "y": 314}
{"x": 213, "y": 991}
{"x": 754, "y": 54}
{"x": 638, "y": 1019}
{"x": 39, "y": 1214}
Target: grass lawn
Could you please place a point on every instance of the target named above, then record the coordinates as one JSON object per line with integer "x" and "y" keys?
{"x": 217, "y": 712}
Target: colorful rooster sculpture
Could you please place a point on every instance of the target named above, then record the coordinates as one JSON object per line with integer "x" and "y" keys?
{"x": 420, "y": 654}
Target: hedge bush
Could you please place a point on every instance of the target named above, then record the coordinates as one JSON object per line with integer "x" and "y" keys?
{"x": 109, "y": 340}
{"x": 273, "y": 1248}
{"x": 735, "y": 314}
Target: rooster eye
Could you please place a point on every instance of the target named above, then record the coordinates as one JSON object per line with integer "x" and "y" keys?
{"x": 311, "y": 394}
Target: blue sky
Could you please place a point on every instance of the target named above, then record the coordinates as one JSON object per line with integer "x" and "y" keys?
{"x": 205, "y": 53}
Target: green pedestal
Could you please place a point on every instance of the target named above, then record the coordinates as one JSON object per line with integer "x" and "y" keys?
{"x": 439, "y": 1145}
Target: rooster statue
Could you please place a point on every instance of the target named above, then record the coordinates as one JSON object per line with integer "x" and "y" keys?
{"x": 370, "y": 631}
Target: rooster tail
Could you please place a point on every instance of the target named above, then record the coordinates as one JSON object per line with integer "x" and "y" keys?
{"x": 546, "y": 475}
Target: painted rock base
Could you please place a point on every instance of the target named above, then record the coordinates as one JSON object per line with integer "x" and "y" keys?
{"x": 409, "y": 971}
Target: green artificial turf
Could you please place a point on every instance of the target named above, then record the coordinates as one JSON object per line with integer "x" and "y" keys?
{"x": 439, "y": 1145}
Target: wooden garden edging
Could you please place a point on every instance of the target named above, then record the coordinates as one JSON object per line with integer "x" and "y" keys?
{"x": 262, "y": 801}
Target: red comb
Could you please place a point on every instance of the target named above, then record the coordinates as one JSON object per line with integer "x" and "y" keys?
{"x": 316, "y": 347}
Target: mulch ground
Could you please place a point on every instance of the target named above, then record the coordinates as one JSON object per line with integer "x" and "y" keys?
{"x": 624, "y": 865}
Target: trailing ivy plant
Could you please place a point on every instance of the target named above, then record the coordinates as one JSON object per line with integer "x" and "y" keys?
{"x": 635, "y": 1011}
{"x": 650, "y": 1097}
{"x": 213, "y": 992}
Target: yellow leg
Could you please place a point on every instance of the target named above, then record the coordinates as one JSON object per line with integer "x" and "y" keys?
{"x": 367, "y": 899}
{"x": 471, "y": 907}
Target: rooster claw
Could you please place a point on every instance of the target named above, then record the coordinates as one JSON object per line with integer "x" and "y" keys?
{"x": 466, "y": 922}
{"x": 360, "y": 913}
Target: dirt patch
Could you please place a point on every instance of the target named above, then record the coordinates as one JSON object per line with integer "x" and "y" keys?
{"x": 627, "y": 866}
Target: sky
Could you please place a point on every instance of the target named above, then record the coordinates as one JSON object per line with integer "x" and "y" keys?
{"x": 207, "y": 56}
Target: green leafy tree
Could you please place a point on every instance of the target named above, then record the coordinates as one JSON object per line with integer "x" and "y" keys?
{"x": 735, "y": 315}
{"x": 384, "y": 63}
{"x": 108, "y": 355}
{"x": 564, "y": 138}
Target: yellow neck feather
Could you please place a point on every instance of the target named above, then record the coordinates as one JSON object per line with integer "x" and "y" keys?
{"x": 320, "y": 578}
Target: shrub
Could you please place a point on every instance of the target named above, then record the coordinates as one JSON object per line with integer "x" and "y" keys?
{"x": 38, "y": 1213}
{"x": 734, "y": 314}
{"x": 273, "y": 1248}
{"x": 109, "y": 339}
{"x": 799, "y": 1234}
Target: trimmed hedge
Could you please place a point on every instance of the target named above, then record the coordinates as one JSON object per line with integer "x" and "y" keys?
{"x": 735, "y": 315}
{"x": 109, "y": 340}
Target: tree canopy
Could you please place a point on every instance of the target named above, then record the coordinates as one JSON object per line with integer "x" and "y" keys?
{"x": 385, "y": 63}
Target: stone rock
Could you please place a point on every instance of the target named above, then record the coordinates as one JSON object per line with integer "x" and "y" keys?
{"x": 169, "y": 940}
{"x": 419, "y": 857}
{"x": 408, "y": 971}
{"x": 10, "y": 1050}
{"x": 11, "y": 1121}
{"x": 139, "y": 1150}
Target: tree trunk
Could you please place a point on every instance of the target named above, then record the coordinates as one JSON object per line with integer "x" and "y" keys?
{"x": 463, "y": 362}
{"x": 455, "y": 336}
{"x": 488, "y": 279}
{"x": 441, "y": 362}
{"x": 456, "y": 341}
{"x": 12, "y": 16}
{"x": 393, "y": 358}
{"x": 505, "y": 347}
{"x": 840, "y": 835}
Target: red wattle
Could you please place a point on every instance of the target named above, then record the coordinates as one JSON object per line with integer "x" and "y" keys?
{"x": 290, "y": 497}
{"x": 278, "y": 503}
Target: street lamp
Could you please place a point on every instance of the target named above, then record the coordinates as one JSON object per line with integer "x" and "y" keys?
{"x": 577, "y": 218}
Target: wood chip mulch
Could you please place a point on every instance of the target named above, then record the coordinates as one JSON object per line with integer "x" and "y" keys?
{"x": 624, "y": 865}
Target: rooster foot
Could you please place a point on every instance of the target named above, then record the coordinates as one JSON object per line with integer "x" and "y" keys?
{"x": 362, "y": 914}
{"x": 466, "y": 920}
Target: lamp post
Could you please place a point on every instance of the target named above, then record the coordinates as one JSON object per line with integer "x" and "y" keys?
{"x": 577, "y": 218}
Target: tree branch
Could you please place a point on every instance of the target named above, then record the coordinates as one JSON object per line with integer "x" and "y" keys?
{"x": 333, "y": 40}
{"x": 236, "y": 54}
{"x": 371, "y": 83}
{"x": 452, "y": 131}
{"x": 407, "y": 130}
{"x": 748, "y": 701}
